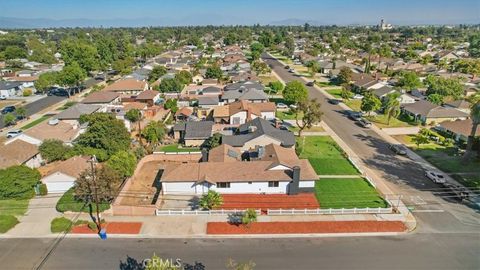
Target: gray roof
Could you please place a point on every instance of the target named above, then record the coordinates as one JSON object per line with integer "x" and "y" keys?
{"x": 211, "y": 90}
{"x": 262, "y": 127}
{"x": 179, "y": 126}
{"x": 244, "y": 85}
{"x": 74, "y": 112}
{"x": 427, "y": 109}
{"x": 4, "y": 85}
{"x": 382, "y": 91}
{"x": 206, "y": 100}
{"x": 241, "y": 94}
{"x": 198, "y": 130}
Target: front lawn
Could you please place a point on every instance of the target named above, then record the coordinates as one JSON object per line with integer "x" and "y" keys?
{"x": 326, "y": 157}
{"x": 7, "y": 222}
{"x": 446, "y": 159}
{"x": 13, "y": 207}
{"x": 381, "y": 121}
{"x": 35, "y": 122}
{"x": 354, "y": 104}
{"x": 178, "y": 148}
{"x": 325, "y": 84}
{"x": 470, "y": 180}
{"x": 60, "y": 224}
{"x": 68, "y": 203}
{"x": 347, "y": 193}
{"x": 336, "y": 92}
{"x": 287, "y": 115}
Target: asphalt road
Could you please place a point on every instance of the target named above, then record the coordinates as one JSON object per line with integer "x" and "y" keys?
{"x": 37, "y": 106}
{"x": 418, "y": 251}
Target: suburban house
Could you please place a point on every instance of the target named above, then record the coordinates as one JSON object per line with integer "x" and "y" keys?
{"x": 460, "y": 104}
{"x": 259, "y": 132}
{"x": 240, "y": 112}
{"x": 127, "y": 87}
{"x": 193, "y": 133}
{"x": 53, "y": 129}
{"x": 150, "y": 97}
{"x": 10, "y": 89}
{"x": 428, "y": 112}
{"x": 102, "y": 98}
{"x": 248, "y": 94}
{"x": 19, "y": 152}
{"x": 459, "y": 129}
{"x": 275, "y": 170}
{"x": 183, "y": 114}
{"x": 26, "y": 81}
{"x": 60, "y": 177}
{"x": 72, "y": 114}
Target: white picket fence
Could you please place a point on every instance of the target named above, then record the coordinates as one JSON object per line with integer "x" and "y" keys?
{"x": 160, "y": 212}
{"x": 177, "y": 153}
{"x": 329, "y": 211}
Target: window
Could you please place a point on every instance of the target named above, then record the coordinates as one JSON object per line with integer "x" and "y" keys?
{"x": 273, "y": 183}
{"x": 223, "y": 185}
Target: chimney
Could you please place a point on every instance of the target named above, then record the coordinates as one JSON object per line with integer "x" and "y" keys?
{"x": 204, "y": 155}
{"x": 295, "y": 184}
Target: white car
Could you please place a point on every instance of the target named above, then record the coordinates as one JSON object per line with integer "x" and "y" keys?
{"x": 293, "y": 106}
{"x": 3, "y": 97}
{"x": 435, "y": 177}
{"x": 282, "y": 106}
{"x": 357, "y": 96}
{"x": 13, "y": 133}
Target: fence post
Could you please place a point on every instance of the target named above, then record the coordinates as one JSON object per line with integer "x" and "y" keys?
{"x": 368, "y": 210}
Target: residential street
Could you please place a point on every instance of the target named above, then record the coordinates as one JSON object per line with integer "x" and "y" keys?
{"x": 38, "y": 106}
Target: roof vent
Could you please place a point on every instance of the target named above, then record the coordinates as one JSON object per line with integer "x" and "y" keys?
{"x": 252, "y": 129}
{"x": 53, "y": 122}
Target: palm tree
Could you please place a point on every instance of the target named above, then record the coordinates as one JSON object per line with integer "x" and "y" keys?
{"x": 392, "y": 106}
{"x": 134, "y": 116}
{"x": 475, "y": 116}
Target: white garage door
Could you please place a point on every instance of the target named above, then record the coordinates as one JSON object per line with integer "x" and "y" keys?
{"x": 59, "y": 187}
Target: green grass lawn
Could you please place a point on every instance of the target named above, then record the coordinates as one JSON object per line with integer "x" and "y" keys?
{"x": 382, "y": 122}
{"x": 7, "y": 222}
{"x": 472, "y": 181}
{"x": 326, "y": 157}
{"x": 354, "y": 104}
{"x": 325, "y": 84}
{"x": 266, "y": 79}
{"x": 446, "y": 160}
{"x": 337, "y": 93}
{"x": 68, "y": 203}
{"x": 347, "y": 193}
{"x": 178, "y": 148}
{"x": 13, "y": 207}
{"x": 287, "y": 115}
{"x": 60, "y": 224}
{"x": 279, "y": 100}
{"x": 35, "y": 122}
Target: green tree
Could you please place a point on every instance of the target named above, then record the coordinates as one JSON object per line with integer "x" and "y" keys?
{"x": 345, "y": 75}
{"x": 171, "y": 104}
{"x": 123, "y": 163}
{"x": 54, "y": 149}
{"x": 104, "y": 132}
{"x": 14, "y": 52}
{"x": 17, "y": 182}
{"x": 256, "y": 49}
{"x": 71, "y": 75}
{"x": 409, "y": 80}
{"x": 214, "y": 72}
{"x": 80, "y": 52}
{"x": 170, "y": 85}
{"x": 210, "y": 200}
{"x": 260, "y": 67}
{"x": 156, "y": 73}
{"x": 392, "y": 106}
{"x": 134, "y": 116}
{"x": 9, "y": 119}
{"x": 21, "y": 112}
{"x": 435, "y": 99}
{"x": 212, "y": 142}
{"x": 311, "y": 114}
{"x": 370, "y": 102}
{"x": 295, "y": 92}
{"x": 184, "y": 77}
{"x": 105, "y": 180}
{"x": 420, "y": 139}
{"x": 475, "y": 116}
{"x": 46, "y": 81}
{"x": 154, "y": 132}
{"x": 346, "y": 92}
{"x": 446, "y": 87}
{"x": 276, "y": 86}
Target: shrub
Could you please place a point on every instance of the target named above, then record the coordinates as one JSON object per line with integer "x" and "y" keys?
{"x": 211, "y": 200}
{"x": 60, "y": 224}
{"x": 43, "y": 190}
{"x": 249, "y": 216}
{"x": 17, "y": 182}
{"x": 7, "y": 222}
{"x": 27, "y": 92}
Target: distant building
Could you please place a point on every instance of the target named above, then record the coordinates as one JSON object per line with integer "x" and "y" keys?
{"x": 384, "y": 26}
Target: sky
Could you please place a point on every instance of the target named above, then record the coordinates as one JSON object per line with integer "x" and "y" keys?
{"x": 218, "y": 12}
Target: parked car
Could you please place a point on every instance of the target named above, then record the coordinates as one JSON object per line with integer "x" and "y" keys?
{"x": 334, "y": 101}
{"x": 355, "y": 116}
{"x": 8, "y": 109}
{"x": 357, "y": 96}
{"x": 310, "y": 83}
{"x": 14, "y": 133}
{"x": 397, "y": 149}
{"x": 291, "y": 70}
{"x": 293, "y": 106}
{"x": 435, "y": 177}
{"x": 59, "y": 92}
{"x": 364, "y": 123}
{"x": 3, "y": 97}
{"x": 282, "y": 106}
{"x": 287, "y": 67}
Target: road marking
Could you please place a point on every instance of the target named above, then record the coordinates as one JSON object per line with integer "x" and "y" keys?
{"x": 429, "y": 211}
{"x": 417, "y": 200}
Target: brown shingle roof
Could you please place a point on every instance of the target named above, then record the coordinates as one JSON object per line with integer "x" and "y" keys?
{"x": 224, "y": 153}
{"x": 461, "y": 127}
{"x": 61, "y": 131}
{"x": 126, "y": 85}
{"x": 71, "y": 167}
{"x": 100, "y": 97}
{"x": 147, "y": 95}
{"x": 16, "y": 153}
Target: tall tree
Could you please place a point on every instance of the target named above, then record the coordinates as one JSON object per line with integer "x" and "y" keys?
{"x": 370, "y": 102}
{"x": 311, "y": 114}
{"x": 392, "y": 106}
{"x": 475, "y": 116}
{"x": 295, "y": 92}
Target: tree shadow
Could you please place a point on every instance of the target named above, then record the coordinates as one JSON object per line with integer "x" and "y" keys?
{"x": 131, "y": 264}
{"x": 193, "y": 203}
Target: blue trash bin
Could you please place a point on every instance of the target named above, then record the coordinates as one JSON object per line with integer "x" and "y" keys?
{"x": 103, "y": 234}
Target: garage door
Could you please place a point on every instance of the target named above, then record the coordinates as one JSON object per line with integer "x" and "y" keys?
{"x": 59, "y": 187}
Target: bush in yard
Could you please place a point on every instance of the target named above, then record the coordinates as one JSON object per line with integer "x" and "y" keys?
{"x": 9, "y": 119}
{"x": 7, "y": 222}
{"x": 27, "y": 92}
{"x": 17, "y": 182}
{"x": 211, "y": 200}
{"x": 249, "y": 216}
{"x": 53, "y": 150}
{"x": 43, "y": 190}
{"x": 123, "y": 162}
{"x": 60, "y": 224}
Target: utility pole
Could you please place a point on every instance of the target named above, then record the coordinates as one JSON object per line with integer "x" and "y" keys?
{"x": 93, "y": 161}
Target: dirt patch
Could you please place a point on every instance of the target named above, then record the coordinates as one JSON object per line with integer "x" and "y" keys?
{"x": 306, "y": 227}
{"x": 111, "y": 227}
{"x": 269, "y": 201}
{"x": 140, "y": 190}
